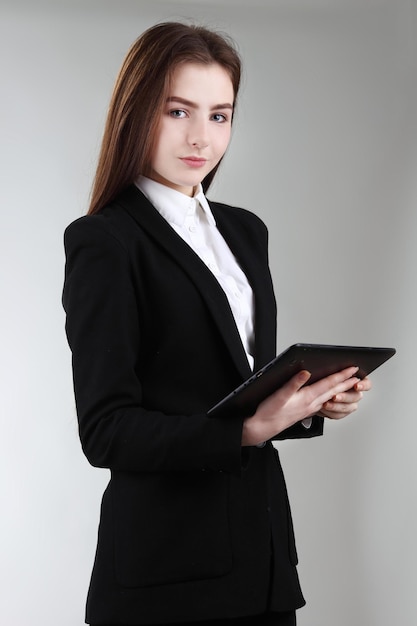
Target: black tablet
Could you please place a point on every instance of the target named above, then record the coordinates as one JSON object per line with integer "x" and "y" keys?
{"x": 320, "y": 360}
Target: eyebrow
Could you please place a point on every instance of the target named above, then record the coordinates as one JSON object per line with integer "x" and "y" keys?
{"x": 189, "y": 103}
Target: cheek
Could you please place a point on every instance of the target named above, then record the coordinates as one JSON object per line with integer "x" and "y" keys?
{"x": 164, "y": 137}
{"x": 222, "y": 142}
{"x": 162, "y": 147}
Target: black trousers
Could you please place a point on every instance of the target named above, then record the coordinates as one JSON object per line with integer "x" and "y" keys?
{"x": 268, "y": 619}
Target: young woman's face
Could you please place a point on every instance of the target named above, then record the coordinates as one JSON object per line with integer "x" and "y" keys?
{"x": 195, "y": 126}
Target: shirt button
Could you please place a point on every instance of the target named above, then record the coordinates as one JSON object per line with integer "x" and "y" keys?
{"x": 192, "y": 228}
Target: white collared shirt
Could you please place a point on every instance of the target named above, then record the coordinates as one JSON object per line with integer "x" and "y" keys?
{"x": 193, "y": 221}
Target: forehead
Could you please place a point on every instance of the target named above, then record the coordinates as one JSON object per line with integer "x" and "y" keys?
{"x": 195, "y": 80}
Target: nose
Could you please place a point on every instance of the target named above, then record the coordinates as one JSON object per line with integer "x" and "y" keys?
{"x": 198, "y": 135}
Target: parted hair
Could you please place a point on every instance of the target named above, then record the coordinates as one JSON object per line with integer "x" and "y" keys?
{"x": 139, "y": 96}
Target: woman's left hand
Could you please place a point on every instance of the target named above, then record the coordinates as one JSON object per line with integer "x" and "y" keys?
{"x": 343, "y": 404}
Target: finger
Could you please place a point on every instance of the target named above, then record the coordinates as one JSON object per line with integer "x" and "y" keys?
{"x": 340, "y": 407}
{"x": 348, "y": 396}
{"x": 340, "y": 388}
{"x": 335, "y": 410}
{"x": 336, "y": 381}
{"x": 364, "y": 385}
{"x": 288, "y": 390}
{"x": 315, "y": 401}
{"x": 348, "y": 372}
{"x": 296, "y": 382}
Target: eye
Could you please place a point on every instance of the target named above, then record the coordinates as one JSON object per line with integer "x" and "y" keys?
{"x": 177, "y": 113}
{"x": 219, "y": 118}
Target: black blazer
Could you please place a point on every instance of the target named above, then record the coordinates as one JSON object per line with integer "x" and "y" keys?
{"x": 192, "y": 526}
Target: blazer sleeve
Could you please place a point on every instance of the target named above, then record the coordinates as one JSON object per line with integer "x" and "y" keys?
{"x": 298, "y": 431}
{"x": 104, "y": 333}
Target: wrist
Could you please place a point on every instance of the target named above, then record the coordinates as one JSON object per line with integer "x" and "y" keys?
{"x": 249, "y": 435}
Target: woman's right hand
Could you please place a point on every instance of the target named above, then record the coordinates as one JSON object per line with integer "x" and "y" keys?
{"x": 293, "y": 402}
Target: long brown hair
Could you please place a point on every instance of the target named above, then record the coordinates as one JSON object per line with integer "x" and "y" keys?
{"x": 140, "y": 94}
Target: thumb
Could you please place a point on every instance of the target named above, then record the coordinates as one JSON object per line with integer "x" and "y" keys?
{"x": 299, "y": 380}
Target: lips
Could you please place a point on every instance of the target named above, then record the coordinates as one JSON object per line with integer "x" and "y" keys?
{"x": 192, "y": 161}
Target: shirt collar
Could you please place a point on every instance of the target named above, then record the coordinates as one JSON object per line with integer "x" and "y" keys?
{"x": 173, "y": 205}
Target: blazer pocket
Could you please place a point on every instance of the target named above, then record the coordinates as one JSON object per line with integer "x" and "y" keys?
{"x": 170, "y": 527}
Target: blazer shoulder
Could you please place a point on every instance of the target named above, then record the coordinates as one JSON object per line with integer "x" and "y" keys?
{"x": 240, "y": 214}
{"x": 112, "y": 224}
{"x": 237, "y": 220}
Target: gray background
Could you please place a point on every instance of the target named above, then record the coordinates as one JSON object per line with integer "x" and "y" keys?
{"x": 324, "y": 150}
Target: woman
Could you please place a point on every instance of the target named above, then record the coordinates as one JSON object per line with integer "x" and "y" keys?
{"x": 169, "y": 306}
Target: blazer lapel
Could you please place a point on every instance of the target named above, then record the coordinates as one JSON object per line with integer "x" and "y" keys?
{"x": 257, "y": 271}
{"x": 142, "y": 211}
